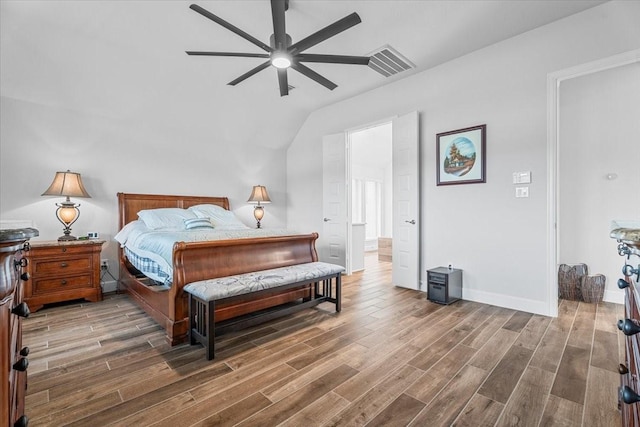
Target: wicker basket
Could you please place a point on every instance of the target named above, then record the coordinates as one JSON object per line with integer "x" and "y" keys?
{"x": 569, "y": 281}
{"x": 592, "y": 288}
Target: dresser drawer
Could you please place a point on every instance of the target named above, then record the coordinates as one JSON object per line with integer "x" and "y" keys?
{"x": 56, "y": 284}
{"x": 66, "y": 265}
{"x": 65, "y": 250}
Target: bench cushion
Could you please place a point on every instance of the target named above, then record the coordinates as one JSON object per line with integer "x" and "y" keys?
{"x": 224, "y": 287}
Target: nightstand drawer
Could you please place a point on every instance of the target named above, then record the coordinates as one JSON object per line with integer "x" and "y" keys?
{"x": 61, "y": 266}
{"x": 61, "y": 283}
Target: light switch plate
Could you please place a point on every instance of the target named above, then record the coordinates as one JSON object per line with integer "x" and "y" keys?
{"x": 522, "y": 177}
{"x": 522, "y": 192}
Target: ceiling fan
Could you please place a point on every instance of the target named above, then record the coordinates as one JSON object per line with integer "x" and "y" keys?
{"x": 281, "y": 53}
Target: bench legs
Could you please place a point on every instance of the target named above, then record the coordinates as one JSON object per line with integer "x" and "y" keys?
{"x": 201, "y": 324}
{"x": 202, "y": 321}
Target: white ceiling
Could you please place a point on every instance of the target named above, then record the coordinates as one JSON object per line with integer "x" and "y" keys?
{"x": 125, "y": 60}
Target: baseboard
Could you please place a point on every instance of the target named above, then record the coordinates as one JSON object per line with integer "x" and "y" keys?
{"x": 614, "y": 295}
{"x": 506, "y": 301}
{"x": 110, "y": 286}
{"x": 538, "y": 307}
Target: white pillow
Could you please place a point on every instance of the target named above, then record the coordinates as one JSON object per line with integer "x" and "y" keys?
{"x": 208, "y": 211}
{"x": 193, "y": 223}
{"x": 171, "y": 218}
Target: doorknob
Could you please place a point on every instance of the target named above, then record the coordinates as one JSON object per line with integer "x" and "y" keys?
{"x": 326, "y": 219}
{"x": 413, "y": 221}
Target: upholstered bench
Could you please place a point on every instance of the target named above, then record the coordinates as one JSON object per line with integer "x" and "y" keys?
{"x": 323, "y": 279}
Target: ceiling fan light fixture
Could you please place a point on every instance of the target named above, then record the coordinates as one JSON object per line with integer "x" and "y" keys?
{"x": 281, "y": 53}
{"x": 281, "y": 60}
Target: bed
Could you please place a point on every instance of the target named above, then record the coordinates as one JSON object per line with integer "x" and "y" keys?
{"x": 200, "y": 260}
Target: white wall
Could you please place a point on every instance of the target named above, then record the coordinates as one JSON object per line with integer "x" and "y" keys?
{"x": 598, "y": 136}
{"x": 119, "y": 154}
{"x": 499, "y": 241}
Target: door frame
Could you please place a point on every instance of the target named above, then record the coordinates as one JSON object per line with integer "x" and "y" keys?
{"x": 553, "y": 143}
{"x": 349, "y": 176}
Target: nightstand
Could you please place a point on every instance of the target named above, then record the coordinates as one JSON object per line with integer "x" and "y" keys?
{"x": 63, "y": 271}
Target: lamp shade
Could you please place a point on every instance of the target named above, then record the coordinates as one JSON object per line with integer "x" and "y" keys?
{"x": 259, "y": 195}
{"x": 68, "y": 184}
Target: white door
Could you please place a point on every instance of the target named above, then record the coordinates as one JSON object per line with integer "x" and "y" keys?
{"x": 406, "y": 202}
{"x": 334, "y": 200}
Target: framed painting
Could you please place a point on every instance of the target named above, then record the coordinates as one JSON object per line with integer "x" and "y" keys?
{"x": 461, "y": 156}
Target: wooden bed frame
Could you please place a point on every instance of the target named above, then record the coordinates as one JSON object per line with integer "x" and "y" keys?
{"x": 206, "y": 260}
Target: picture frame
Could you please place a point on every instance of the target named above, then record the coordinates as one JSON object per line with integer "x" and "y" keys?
{"x": 461, "y": 156}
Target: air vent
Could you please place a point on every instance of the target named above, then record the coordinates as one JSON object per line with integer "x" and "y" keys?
{"x": 389, "y": 62}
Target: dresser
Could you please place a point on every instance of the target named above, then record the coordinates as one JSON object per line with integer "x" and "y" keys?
{"x": 629, "y": 392}
{"x": 13, "y": 357}
{"x": 63, "y": 271}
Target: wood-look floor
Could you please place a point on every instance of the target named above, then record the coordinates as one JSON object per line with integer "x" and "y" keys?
{"x": 390, "y": 358}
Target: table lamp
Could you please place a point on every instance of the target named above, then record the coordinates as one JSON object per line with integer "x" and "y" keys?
{"x": 67, "y": 184}
{"x": 259, "y": 195}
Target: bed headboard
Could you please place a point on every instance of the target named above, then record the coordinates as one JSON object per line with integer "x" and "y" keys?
{"x": 130, "y": 204}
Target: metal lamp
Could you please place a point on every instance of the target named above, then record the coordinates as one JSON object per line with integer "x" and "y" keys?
{"x": 259, "y": 195}
{"x": 67, "y": 184}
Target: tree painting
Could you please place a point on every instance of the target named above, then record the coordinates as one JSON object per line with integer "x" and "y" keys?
{"x": 461, "y": 156}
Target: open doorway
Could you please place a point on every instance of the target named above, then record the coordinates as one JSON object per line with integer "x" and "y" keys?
{"x": 603, "y": 176}
{"x": 371, "y": 196}
{"x": 337, "y": 230}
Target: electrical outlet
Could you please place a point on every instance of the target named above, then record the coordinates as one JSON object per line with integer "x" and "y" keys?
{"x": 104, "y": 264}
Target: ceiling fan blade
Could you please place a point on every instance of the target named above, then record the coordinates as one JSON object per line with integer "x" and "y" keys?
{"x": 279, "y": 31}
{"x": 323, "y": 34}
{"x": 283, "y": 81}
{"x": 333, "y": 59}
{"x": 239, "y": 54}
{"x": 230, "y": 27}
{"x": 314, "y": 76}
{"x": 250, "y": 73}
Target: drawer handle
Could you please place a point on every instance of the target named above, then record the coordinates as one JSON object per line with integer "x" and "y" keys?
{"x": 63, "y": 282}
{"x": 623, "y": 250}
{"x": 629, "y": 326}
{"x": 23, "y": 421}
{"x": 64, "y": 264}
{"x": 26, "y": 247}
{"x": 622, "y": 284}
{"x": 21, "y": 365}
{"x": 24, "y": 277}
{"x": 21, "y": 310}
{"x": 24, "y": 351}
{"x": 628, "y": 271}
{"x": 22, "y": 262}
{"x": 628, "y": 396}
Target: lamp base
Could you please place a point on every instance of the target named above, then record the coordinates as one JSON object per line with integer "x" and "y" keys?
{"x": 66, "y": 238}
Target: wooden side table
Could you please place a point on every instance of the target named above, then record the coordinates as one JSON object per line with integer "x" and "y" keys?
{"x": 63, "y": 271}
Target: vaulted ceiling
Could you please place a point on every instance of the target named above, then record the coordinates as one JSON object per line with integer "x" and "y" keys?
{"x": 126, "y": 59}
